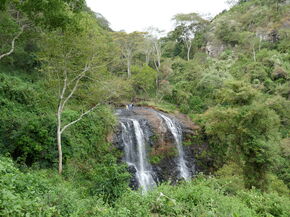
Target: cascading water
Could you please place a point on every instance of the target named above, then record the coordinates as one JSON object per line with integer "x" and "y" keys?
{"x": 176, "y": 131}
{"x": 135, "y": 152}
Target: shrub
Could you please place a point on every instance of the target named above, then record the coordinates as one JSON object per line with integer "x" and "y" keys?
{"x": 200, "y": 197}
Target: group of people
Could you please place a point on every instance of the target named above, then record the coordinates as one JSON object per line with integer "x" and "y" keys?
{"x": 130, "y": 106}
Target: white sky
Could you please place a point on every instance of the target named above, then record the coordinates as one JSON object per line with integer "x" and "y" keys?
{"x": 137, "y": 15}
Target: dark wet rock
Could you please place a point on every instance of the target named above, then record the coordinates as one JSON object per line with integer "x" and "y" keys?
{"x": 133, "y": 182}
{"x": 160, "y": 144}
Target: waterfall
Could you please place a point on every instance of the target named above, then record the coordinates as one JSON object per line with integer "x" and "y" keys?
{"x": 142, "y": 129}
{"x": 176, "y": 131}
{"x": 135, "y": 152}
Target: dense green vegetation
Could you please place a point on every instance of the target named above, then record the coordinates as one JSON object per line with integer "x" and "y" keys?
{"x": 47, "y": 194}
{"x": 63, "y": 71}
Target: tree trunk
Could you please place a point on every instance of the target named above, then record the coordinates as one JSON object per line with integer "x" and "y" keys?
{"x": 62, "y": 102}
{"x": 157, "y": 48}
{"x": 188, "y": 52}
{"x": 59, "y": 140}
{"x": 156, "y": 64}
{"x": 159, "y": 62}
{"x": 254, "y": 54}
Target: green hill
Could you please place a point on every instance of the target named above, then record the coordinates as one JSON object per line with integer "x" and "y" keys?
{"x": 63, "y": 72}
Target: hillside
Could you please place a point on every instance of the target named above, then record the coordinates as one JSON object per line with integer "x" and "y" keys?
{"x": 65, "y": 74}
{"x": 249, "y": 25}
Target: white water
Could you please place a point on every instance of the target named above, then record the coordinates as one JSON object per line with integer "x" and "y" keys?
{"x": 135, "y": 153}
{"x": 177, "y": 134}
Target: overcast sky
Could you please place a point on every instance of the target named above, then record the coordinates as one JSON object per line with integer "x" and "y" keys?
{"x": 136, "y": 15}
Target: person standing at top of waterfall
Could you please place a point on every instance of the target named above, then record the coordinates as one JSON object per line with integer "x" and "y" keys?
{"x": 130, "y": 106}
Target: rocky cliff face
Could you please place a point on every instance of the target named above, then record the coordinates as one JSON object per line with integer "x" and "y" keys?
{"x": 164, "y": 148}
{"x": 263, "y": 20}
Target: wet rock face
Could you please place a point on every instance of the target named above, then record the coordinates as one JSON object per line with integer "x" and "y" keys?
{"x": 163, "y": 160}
{"x": 133, "y": 182}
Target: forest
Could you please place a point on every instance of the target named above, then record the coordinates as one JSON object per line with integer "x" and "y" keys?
{"x": 64, "y": 72}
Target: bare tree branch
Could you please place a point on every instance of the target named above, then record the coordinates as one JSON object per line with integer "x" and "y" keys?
{"x": 80, "y": 75}
{"x": 75, "y": 87}
{"x": 13, "y": 43}
{"x": 80, "y": 117}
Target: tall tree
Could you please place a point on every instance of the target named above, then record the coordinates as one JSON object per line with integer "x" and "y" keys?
{"x": 147, "y": 48}
{"x": 154, "y": 45}
{"x": 129, "y": 44}
{"x": 189, "y": 24}
{"x": 73, "y": 61}
{"x": 154, "y": 35}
